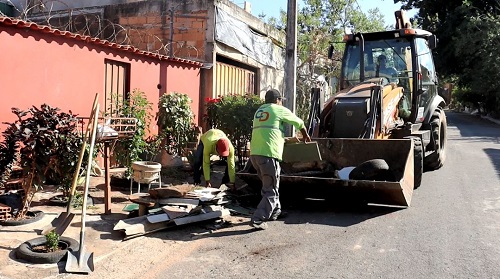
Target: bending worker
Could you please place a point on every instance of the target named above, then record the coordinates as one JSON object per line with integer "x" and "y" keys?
{"x": 214, "y": 142}
{"x": 266, "y": 150}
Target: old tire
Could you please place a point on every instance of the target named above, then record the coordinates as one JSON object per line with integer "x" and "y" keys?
{"x": 25, "y": 251}
{"x": 368, "y": 170}
{"x": 418, "y": 162}
{"x": 438, "y": 141}
{"x": 34, "y": 216}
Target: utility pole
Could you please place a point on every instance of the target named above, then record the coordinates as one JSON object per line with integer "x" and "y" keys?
{"x": 171, "y": 39}
{"x": 291, "y": 59}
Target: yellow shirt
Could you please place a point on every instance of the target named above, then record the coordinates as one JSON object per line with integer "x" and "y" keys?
{"x": 209, "y": 140}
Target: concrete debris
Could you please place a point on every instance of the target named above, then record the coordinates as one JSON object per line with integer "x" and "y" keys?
{"x": 175, "y": 207}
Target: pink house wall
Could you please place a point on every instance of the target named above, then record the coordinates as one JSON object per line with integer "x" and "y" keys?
{"x": 38, "y": 67}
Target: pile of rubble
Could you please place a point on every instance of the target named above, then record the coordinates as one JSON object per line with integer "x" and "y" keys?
{"x": 167, "y": 207}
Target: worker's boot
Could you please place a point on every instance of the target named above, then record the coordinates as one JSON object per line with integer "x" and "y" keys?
{"x": 278, "y": 214}
{"x": 259, "y": 225}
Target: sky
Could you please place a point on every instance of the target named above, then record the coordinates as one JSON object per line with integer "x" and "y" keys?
{"x": 272, "y": 7}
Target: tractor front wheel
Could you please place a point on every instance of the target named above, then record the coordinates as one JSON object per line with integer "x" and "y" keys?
{"x": 437, "y": 145}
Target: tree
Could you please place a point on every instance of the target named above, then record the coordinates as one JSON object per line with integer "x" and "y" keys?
{"x": 319, "y": 24}
{"x": 468, "y": 42}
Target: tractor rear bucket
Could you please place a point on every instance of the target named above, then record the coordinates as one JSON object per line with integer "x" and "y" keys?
{"x": 320, "y": 179}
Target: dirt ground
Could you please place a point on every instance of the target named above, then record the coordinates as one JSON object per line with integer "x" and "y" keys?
{"x": 112, "y": 255}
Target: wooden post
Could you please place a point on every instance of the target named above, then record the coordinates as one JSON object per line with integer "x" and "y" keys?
{"x": 107, "y": 190}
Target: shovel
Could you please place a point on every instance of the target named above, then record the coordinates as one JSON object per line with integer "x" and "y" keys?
{"x": 61, "y": 222}
{"x": 79, "y": 261}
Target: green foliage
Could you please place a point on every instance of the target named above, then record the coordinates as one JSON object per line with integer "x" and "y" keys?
{"x": 320, "y": 23}
{"x": 52, "y": 241}
{"x": 8, "y": 151}
{"x": 47, "y": 142}
{"x": 233, "y": 114}
{"x": 468, "y": 46}
{"x": 77, "y": 200}
{"x": 175, "y": 121}
{"x": 130, "y": 149}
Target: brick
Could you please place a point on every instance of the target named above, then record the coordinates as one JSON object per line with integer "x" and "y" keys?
{"x": 153, "y": 19}
{"x": 198, "y": 25}
{"x": 193, "y": 36}
{"x": 5, "y": 216}
{"x": 14, "y": 184}
{"x": 4, "y": 208}
{"x": 137, "y": 20}
{"x": 123, "y": 21}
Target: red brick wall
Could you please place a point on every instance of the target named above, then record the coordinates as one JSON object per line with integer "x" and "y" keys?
{"x": 152, "y": 32}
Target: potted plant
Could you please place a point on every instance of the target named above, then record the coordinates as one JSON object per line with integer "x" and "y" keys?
{"x": 129, "y": 150}
{"x": 175, "y": 123}
{"x": 50, "y": 248}
{"x": 40, "y": 141}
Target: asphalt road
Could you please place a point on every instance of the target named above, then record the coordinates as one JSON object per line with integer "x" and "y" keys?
{"x": 452, "y": 229}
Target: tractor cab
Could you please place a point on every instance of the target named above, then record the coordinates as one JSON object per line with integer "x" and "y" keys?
{"x": 400, "y": 57}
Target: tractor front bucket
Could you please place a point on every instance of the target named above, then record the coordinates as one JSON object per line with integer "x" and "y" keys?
{"x": 321, "y": 179}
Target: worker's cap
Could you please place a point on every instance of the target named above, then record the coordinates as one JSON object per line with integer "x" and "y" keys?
{"x": 273, "y": 95}
{"x": 222, "y": 147}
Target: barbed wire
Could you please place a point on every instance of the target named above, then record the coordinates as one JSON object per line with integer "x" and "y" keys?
{"x": 89, "y": 22}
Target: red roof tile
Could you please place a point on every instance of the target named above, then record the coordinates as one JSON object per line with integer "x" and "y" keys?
{"x": 46, "y": 29}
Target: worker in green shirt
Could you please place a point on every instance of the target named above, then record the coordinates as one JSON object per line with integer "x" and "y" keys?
{"x": 266, "y": 149}
{"x": 214, "y": 142}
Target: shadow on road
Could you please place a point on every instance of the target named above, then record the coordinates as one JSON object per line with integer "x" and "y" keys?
{"x": 494, "y": 155}
{"x": 473, "y": 128}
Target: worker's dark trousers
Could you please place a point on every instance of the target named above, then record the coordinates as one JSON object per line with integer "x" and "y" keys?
{"x": 268, "y": 170}
{"x": 198, "y": 166}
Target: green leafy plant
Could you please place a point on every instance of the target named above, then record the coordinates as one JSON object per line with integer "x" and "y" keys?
{"x": 129, "y": 150}
{"x": 52, "y": 241}
{"x": 175, "y": 121}
{"x": 233, "y": 114}
{"x": 8, "y": 151}
{"x": 45, "y": 142}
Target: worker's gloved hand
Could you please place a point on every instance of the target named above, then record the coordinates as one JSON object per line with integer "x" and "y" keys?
{"x": 292, "y": 140}
{"x": 199, "y": 130}
{"x": 231, "y": 186}
{"x": 209, "y": 185}
{"x": 305, "y": 135}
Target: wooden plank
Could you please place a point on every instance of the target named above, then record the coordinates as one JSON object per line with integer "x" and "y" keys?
{"x": 179, "y": 201}
{"x": 158, "y": 218}
{"x": 201, "y": 217}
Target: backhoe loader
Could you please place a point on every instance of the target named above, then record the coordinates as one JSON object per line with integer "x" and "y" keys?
{"x": 386, "y": 123}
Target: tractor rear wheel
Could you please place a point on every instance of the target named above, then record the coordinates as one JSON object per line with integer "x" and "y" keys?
{"x": 437, "y": 145}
